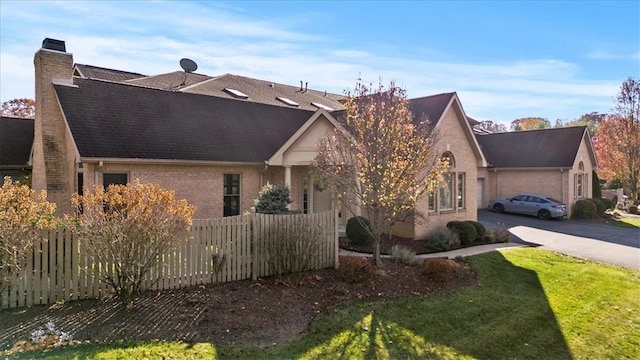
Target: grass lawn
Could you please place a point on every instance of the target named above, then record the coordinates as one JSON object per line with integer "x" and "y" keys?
{"x": 530, "y": 303}
{"x": 630, "y": 221}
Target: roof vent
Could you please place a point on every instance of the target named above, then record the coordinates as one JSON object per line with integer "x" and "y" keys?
{"x": 53, "y": 44}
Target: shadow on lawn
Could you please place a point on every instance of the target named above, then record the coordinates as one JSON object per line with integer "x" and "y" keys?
{"x": 506, "y": 316}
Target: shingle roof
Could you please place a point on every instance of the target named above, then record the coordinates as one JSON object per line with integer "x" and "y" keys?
{"x": 16, "y": 139}
{"x": 170, "y": 81}
{"x": 95, "y": 72}
{"x": 111, "y": 120}
{"x": 430, "y": 107}
{"x": 266, "y": 92}
{"x": 547, "y": 148}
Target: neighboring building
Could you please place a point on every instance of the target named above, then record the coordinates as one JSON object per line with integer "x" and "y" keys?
{"x": 217, "y": 140}
{"x": 555, "y": 162}
{"x": 16, "y": 139}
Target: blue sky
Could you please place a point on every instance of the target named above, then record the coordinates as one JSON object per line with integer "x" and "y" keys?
{"x": 506, "y": 59}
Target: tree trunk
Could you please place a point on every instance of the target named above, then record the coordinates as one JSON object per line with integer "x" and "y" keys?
{"x": 377, "y": 259}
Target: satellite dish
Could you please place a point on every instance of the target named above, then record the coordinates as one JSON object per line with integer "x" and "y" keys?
{"x": 188, "y": 65}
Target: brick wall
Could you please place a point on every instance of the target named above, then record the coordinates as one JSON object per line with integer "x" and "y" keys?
{"x": 53, "y": 154}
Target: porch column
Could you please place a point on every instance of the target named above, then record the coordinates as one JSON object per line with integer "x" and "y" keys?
{"x": 287, "y": 176}
{"x": 287, "y": 179}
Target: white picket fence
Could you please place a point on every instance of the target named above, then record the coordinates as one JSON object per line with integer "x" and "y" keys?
{"x": 59, "y": 271}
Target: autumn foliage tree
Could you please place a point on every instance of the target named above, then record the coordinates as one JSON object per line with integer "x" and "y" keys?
{"x": 530, "y": 123}
{"x": 23, "y": 216}
{"x": 381, "y": 160}
{"x": 617, "y": 142}
{"x": 127, "y": 229}
{"x": 21, "y": 108}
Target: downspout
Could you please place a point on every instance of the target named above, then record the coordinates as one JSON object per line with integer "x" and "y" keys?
{"x": 562, "y": 185}
{"x": 495, "y": 171}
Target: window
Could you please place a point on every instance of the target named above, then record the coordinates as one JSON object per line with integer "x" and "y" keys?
{"x": 579, "y": 185}
{"x": 450, "y": 193}
{"x": 448, "y": 160}
{"x": 80, "y": 184}
{"x": 432, "y": 202}
{"x": 305, "y": 195}
{"x": 114, "y": 179}
{"x": 446, "y": 192}
{"x": 461, "y": 194}
{"x": 580, "y": 180}
{"x": 231, "y": 194}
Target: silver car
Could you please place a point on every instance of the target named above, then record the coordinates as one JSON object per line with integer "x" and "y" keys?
{"x": 541, "y": 206}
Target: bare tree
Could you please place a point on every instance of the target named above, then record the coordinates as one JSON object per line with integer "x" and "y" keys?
{"x": 382, "y": 160}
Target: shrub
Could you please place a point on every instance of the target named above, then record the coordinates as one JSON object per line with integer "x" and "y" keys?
{"x": 437, "y": 270}
{"x": 442, "y": 238}
{"x": 481, "y": 231}
{"x": 596, "y": 189}
{"x": 600, "y": 207}
{"x": 584, "y": 209}
{"x": 127, "y": 229}
{"x": 500, "y": 233}
{"x": 291, "y": 246}
{"x": 633, "y": 209}
{"x": 359, "y": 230}
{"x": 608, "y": 204}
{"x": 273, "y": 199}
{"x": 466, "y": 232}
{"x": 22, "y": 217}
{"x": 403, "y": 255}
{"x": 355, "y": 269}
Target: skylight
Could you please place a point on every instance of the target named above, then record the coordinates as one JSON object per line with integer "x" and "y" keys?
{"x": 321, "y": 106}
{"x": 287, "y": 101}
{"x": 236, "y": 93}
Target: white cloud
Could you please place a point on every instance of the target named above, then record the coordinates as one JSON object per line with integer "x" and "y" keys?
{"x": 151, "y": 38}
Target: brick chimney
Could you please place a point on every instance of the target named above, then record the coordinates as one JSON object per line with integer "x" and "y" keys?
{"x": 53, "y": 155}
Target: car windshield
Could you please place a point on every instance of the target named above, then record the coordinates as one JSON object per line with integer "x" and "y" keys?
{"x": 554, "y": 200}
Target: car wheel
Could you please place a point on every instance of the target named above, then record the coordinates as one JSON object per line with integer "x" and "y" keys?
{"x": 544, "y": 215}
{"x": 499, "y": 208}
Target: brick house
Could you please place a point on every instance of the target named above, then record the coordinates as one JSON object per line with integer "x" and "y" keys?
{"x": 217, "y": 140}
{"x": 214, "y": 140}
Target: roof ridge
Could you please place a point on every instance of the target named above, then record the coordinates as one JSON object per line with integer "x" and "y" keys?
{"x": 440, "y": 94}
{"x": 110, "y": 69}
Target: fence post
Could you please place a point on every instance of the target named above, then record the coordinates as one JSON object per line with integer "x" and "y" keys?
{"x": 336, "y": 246}
{"x": 254, "y": 246}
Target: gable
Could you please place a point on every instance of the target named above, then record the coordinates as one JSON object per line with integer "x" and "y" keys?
{"x": 546, "y": 148}
{"x": 302, "y": 147}
{"x": 119, "y": 121}
{"x": 16, "y": 140}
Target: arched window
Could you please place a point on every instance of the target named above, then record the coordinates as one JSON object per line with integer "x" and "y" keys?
{"x": 450, "y": 194}
{"x": 448, "y": 159}
{"x": 581, "y": 180}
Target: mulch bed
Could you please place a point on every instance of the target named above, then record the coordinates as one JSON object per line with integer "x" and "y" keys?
{"x": 248, "y": 313}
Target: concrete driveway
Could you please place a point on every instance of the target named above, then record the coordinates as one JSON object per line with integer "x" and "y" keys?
{"x": 600, "y": 242}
